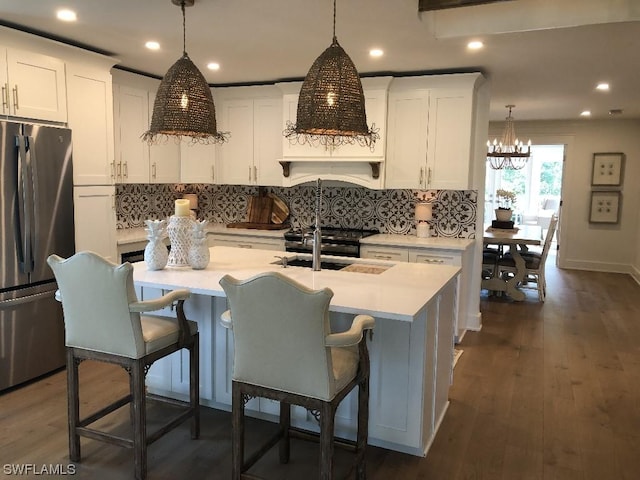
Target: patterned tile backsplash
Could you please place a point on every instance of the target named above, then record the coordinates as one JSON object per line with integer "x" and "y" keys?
{"x": 389, "y": 211}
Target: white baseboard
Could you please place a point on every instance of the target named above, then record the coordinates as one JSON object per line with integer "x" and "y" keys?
{"x": 597, "y": 266}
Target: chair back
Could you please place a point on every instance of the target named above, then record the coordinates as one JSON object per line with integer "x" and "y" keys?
{"x": 95, "y": 295}
{"x": 279, "y": 329}
{"x": 548, "y": 239}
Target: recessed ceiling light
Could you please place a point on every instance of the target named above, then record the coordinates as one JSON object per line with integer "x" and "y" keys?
{"x": 213, "y": 66}
{"x": 585, "y": 113}
{"x": 475, "y": 45}
{"x": 376, "y": 52}
{"x": 66, "y": 15}
{"x": 151, "y": 45}
{"x": 602, "y": 86}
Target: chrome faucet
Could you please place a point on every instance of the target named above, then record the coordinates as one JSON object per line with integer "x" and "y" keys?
{"x": 317, "y": 234}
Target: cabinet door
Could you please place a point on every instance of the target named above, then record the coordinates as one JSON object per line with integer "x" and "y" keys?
{"x": 267, "y": 141}
{"x": 164, "y": 158}
{"x": 294, "y": 149}
{"x": 408, "y": 120}
{"x": 37, "y": 86}
{"x": 449, "y": 145}
{"x": 131, "y": 121}
{"x": 235, "y": 164}
{"x": 95, "y": 220}
{"x": 384, "y": 253}
{"x": 91, "y": 120}
{"x": 197, "y": 163}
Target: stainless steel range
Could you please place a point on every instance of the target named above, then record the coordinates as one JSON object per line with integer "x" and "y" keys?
{"x": 335, "y": 241}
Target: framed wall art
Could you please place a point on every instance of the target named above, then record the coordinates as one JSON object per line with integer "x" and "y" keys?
{"x": 605, "y": 207}
{"x": 608, "y": 169}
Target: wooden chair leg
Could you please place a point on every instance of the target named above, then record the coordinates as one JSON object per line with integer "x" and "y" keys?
{"x": 285, "y": 423}
{"x": 363, "y": 428}
{"x": 194, "y": 386}
{"x": 73, "y": 405}
{"x": 327, "y": 417}
{"x": 139, "y": 419}
{"x": 237, "y": 414}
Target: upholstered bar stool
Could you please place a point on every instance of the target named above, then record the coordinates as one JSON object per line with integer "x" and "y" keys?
{"x": 285, "y": 351}
{"x": 103, "y": 322}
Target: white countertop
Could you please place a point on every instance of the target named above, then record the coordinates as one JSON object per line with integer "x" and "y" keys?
{"x": 399, "y": 293}
{"x": 397, "y": 240}
{"x": 138, "y": 234}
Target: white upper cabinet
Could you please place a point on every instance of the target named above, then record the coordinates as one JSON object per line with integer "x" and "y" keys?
{"x": 164, "y": 158}
{"x": 252, "y": 115}
{"x": 197, "y": 163}
{"x": 33, "y": 86}
{"x": 90, "y": 106}
{"x": 431, "y": 142}
{"x": 136, "y": 161}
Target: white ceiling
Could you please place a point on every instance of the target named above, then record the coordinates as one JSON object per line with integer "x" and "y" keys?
{"x": 544, "y": 56}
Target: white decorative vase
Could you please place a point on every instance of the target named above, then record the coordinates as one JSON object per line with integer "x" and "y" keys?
{"x": 503, "y": 215}
{"x": 179, "y": 230}
{"x": 199, "y": 255}
{"x": 155, "y": 252}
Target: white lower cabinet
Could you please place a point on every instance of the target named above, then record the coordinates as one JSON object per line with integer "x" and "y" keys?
{"x": 170, "y": 375}
{"x": 411, "y": 371}
{"x": 95, "y": 220}
{"x": 431, "y": 256}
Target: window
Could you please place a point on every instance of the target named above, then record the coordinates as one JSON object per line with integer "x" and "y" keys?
{"x": 538, "y": 185}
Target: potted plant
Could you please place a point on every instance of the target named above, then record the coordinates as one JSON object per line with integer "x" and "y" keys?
{"x": 506, "y": 200}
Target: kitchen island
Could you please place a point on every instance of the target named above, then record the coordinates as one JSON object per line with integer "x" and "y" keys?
{"x": 411, "y": 352}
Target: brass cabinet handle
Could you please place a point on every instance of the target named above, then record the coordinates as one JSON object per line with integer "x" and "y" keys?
{"x": 421, "y": 176}
{"x": 153, "y": 170}
{"x": 429, "y": 177}
{"x": 213, "y": 173}
{"x": 15, "y": 98}
{"x": 5, "y": 96}
{"x": 125, "y": 170}
{"x": 255, "y": 173}
{"x": 113, "y": 169}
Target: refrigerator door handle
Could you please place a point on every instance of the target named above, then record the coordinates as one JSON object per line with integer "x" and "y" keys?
{"x": 13, "y": 302}
{"x": 25, "y": 187}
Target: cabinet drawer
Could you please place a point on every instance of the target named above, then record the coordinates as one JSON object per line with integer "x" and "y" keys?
{"x": 240, "y": 241}
{"x": 384, "y": 253}
{"x": 434, "y": 258}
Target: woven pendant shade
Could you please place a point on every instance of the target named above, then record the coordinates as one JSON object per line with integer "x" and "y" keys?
{"x": 331, "y": 105}
{"x": 184, "y": 105}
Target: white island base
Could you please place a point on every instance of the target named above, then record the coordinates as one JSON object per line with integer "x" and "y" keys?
{"x": 411, "y": 351}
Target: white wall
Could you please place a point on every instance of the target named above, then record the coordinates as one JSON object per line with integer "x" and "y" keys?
{"x": 584, "y": 245}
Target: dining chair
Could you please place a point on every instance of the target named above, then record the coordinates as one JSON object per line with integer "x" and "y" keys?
{"x": 104, "y": 321}
{"x": 534, "y": 264}
{"x": 285, "y": 351}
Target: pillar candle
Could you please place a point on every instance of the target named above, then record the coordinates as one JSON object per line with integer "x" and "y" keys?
{"x": 182, "y": 207}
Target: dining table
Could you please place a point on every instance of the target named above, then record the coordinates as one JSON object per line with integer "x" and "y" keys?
{"x": 518, "y": 239}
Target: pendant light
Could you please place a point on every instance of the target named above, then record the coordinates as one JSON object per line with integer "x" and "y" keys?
{"x": 184, "y": 105}
{"x": 509, "y": 153}
{"x": 331, "y": 107}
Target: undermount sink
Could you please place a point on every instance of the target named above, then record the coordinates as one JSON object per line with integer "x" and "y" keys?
{"x": 339, "y": 265}
{"x": 303, "y": 262}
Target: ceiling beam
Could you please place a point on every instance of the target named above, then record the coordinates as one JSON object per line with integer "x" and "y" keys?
{"x": 428, "y": 5}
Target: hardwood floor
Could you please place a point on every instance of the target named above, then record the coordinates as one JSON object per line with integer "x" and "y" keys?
{"x": 545, "y": 391}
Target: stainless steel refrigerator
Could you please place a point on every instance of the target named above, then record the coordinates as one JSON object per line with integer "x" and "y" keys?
{"x": 36, "y": 220}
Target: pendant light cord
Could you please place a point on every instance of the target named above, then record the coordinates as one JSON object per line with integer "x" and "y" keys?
{"x": 334, "y": 21}
{"x": 184, "y": 30}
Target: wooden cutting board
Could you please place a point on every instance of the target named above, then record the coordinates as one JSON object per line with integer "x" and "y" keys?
{"x": 260, "y": 208}
{"x": 280, "y": 211}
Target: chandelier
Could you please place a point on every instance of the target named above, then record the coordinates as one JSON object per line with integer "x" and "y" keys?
{"x": 184, "y": 105}
{"x": 331, "y": 108}
{"x": 508, "y": 153}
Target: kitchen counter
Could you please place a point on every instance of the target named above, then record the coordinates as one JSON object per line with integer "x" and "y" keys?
{"x": 397, "y": 240}
{"x": 411, "y": 352}
{"x": 135, "y": 235}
